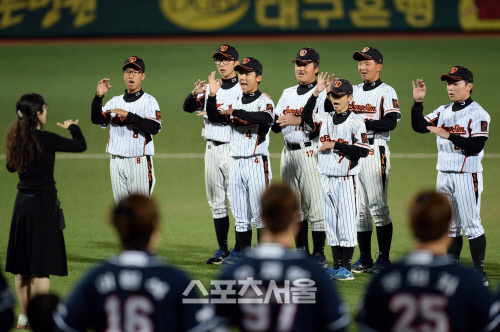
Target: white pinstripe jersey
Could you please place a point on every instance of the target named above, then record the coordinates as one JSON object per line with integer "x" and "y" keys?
{"x": 293, "y": 103}
{"x": 374, "y": 104}
{"x": 352, "y": 131}
{"x": 246, "y": 139}
{"x": 472, "y": 121}
{"x": 218, "y": 131}
{"x": 124, "y": 138}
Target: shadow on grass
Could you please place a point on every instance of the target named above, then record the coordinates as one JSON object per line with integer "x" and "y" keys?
{"x": 107, "y": 248}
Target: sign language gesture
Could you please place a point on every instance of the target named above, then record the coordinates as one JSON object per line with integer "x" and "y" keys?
{"x": 199, "y": 87}
{"x": 214, "y": 84}
{"x": 67, "y": 123}
{"x": 324, "y": 81}
{"x": 327, "y": 146}
{"x": 419, "y": 90}
{"x": 103, "y": 86}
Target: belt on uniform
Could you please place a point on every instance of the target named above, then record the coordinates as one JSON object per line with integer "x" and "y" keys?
{"x": 296, "y": 146}
{"x": 217, "y": 143}
{"x": 370, "y": 141}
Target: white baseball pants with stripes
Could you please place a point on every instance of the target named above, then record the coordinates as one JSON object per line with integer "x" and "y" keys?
{"x": 341, "y": 209}
{"x": 248, "y": 179}
{"x": 463, "y": 191}
{"x": 217, "y": 162}
{"x": 131, "y": 175}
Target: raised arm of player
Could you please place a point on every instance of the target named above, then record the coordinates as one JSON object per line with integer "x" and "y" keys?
{"x": 195, "y": 101}
{"x": 97, "y": 116}
{"x": 418, "y": 122}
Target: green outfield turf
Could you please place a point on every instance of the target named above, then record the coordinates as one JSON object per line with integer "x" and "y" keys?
{"x": 67, "y": 77}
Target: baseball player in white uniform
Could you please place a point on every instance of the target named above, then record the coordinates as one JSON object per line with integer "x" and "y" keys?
{"x": 218, "y": 136}
{"x": 133, "y": 118}
{"x": 344, "y": 142}
{"x": 300, "y": 153}
{"x": 377, "y": 104}
{"x": 250, "y": 117}
{"x": 461, "y": 130}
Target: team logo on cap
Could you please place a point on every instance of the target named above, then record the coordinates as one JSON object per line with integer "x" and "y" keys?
{"x": 246, "y": 60}
{"x": 365, "y": 49}
{"x": 453, "y": 70}
{"x": 223, "y": 48}
{"x": 132, "y": 59}
{"x": 303, "y": 52}
{"x": 338, "y": 83}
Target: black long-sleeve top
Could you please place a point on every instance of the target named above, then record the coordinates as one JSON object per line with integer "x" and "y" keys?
{"x": 470, "y": 145}
{"x": 99, "y": 117}
{"x": 40, "y": 175}
{"x": 261, "y": 118}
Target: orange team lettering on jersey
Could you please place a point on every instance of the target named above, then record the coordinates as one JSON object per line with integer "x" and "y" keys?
{"x": 456, "y": 129}
{"x": 296, "y": 112}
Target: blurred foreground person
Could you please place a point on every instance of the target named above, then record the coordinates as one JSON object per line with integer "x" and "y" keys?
{"x": 276, "y": 288}
{"x": 426, "y": 291}
{"x": 134, "y": 291}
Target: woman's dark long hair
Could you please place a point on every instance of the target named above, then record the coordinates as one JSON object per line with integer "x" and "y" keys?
{"x": 22, "y": 144}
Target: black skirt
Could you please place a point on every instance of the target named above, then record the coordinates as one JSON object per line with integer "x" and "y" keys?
{"x": 36, "y": 241}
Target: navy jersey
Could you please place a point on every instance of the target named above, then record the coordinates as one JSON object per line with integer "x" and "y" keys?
{"x": 133, "y": 292}
{"x": 424, "y": 292}
{"x": 7, "y": 303}
{"x": 278, "y": 290}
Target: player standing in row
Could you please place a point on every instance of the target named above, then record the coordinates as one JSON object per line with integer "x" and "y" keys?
{"x": 218, "y": 136}
{"x": 461, "y": 130}
{"x": 133, "y": 118}
{"x": 250, "y": 117}
{"x": 300, "y": 154}
{"x": 301, "y": 296}
{"x": 425, "y": 291}
{"x": 377, "y": 104}
{"x": 342, "y": 135}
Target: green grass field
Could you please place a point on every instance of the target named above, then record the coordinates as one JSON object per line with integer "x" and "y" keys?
{"x": 67, "y": 77}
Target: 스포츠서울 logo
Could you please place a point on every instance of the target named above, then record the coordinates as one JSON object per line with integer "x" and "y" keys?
{"x": 204, "y": 15}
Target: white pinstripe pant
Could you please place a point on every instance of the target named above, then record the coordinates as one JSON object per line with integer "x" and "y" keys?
{"x": 373, "y": 187}
{"x": 131, "y": 175}
{"x": 248, "y": 179}
{"x": 298, "y": 169}
{"x": 341, "y": 209}
{"x": 464, "y": 194}
{"x": 217, "y": 162}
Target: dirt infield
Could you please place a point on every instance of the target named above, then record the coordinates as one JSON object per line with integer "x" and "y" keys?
{"x": 271, "y": 38}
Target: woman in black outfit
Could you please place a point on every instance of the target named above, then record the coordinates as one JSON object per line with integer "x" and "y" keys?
{"x": 36, "y": 242}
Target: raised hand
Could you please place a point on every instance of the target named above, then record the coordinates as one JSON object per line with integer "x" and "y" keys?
{"x": 199, "y": 87}
{"x": 329, "y": 82}
{"x": 67, "y": 123}
{"x": 103, "y": 86}
{"x": 419, "y": 90}
{"x": 322, "y": 82}
{"x": 214, "y": 84}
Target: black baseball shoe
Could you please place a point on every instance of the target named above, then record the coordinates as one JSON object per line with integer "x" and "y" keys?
{"x": 362, "y": 265}
{"x": 218, "y": 256}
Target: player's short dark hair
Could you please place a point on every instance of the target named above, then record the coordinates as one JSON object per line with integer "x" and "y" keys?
{"x": 430, "y": 216}
{"x": 279, "y": 205}
{"x": 467, "y": 82}
{"x": 135, "y": 218}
